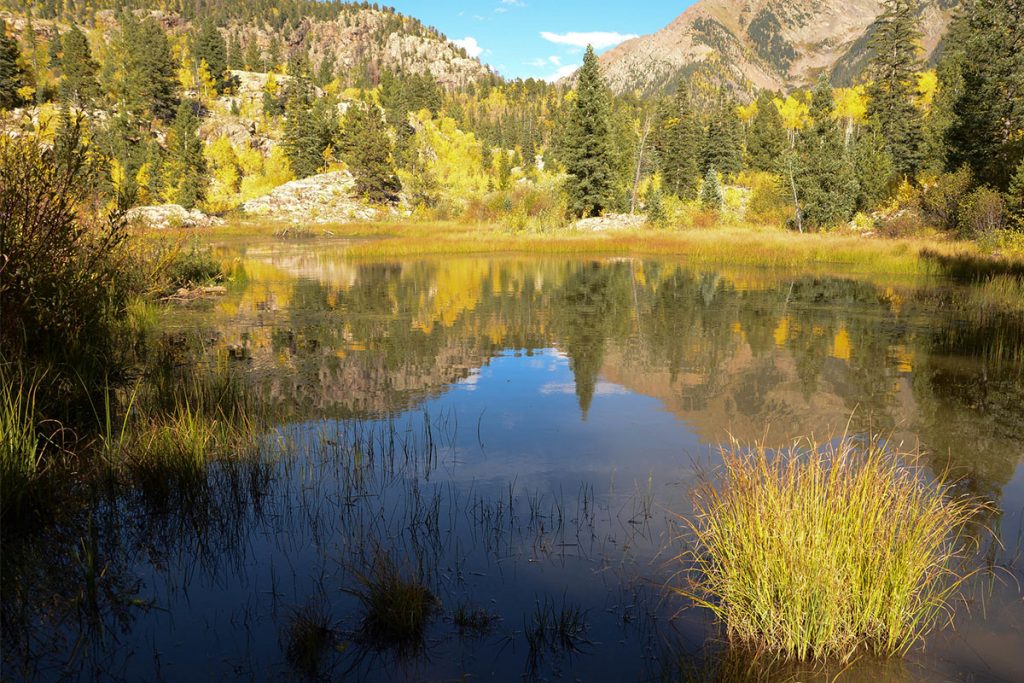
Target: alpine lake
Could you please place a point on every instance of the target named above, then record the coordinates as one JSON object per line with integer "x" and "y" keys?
{"x": 521, "y": 434}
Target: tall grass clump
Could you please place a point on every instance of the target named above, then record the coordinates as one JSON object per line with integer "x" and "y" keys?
{"x": 21, "y": 448}
{"x": 821, "y": 551}
{"x": 396, "y": 609}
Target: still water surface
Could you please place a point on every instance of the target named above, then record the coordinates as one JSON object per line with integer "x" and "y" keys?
{"x": 520, "y": 433}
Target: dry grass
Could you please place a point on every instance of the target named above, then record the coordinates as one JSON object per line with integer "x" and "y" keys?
{"x": 825, "y": 550}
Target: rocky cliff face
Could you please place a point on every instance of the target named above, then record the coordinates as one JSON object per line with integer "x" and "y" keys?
{"x": 378, "y": 39}
{"x": 776, "y": 44}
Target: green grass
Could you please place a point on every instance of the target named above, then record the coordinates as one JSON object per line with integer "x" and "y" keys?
{"x": 825, "y": 550}
{"x": 21, "y": 448}
{"x": 310, "y": 636}
{"x": 396, "y": 609}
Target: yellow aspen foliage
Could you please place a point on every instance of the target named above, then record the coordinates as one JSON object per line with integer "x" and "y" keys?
{"x": 226, "y": 175}
{"x": 795, "y": 113}
{"x": 747, "y": 112}
{"x": 851, "y": 104}
{"x": 927, "y": 86}
{"x": 186, "y": 70}
{"x": 208, "y": 84}
{"x": 275, "y": 171}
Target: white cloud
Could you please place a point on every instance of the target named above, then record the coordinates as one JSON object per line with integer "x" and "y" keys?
{"x": 562, "y": 72}
{"x": 599, "y": 39}
{"x": 470, "y": 45}
{"x": 514, "y": 3}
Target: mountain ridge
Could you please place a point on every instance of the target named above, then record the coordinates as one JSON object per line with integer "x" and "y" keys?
{"x": 756, "y": 44}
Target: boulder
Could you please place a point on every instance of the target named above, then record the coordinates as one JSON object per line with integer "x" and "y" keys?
{"x": 322, "y": 198}
{"x": 612, "y": 221}
{"x": 163, "y": 216}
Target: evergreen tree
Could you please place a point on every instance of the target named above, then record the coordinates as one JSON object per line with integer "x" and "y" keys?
{"x": 367, "y": 150}
{"x": 253, "y": 57}
{"x": 78, "y": 85}
{"x": 711, "y": 192}
{"x": 211, "y": 48}
{"x": 302, "y": 142}
{"x": 766, "y": 139}
{"x": 827, "y": 187}
{"x": 1015, "y": 196}
{"x": 588, "y": 151}
{"x": 185, "y": 167}
{"x": 325, "y": 72}
{"x": 873, "y": 166}
{"x": 893, "y": 68}
{"x": 678, "y": 142}
{"x": 236, "y": 60}
{"x": 987, "y": 40}
{"x": 147, "y": 83}
{"x": 655, "y": 206}
{"x": 12, "y": 76}
{"x": 723, "y": 142}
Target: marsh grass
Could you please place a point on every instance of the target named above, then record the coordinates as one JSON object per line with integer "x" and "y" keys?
{"x": 396, "y": 609}
{"x": 310, "y": 636}
{"x": 825, "y": 550}
{"x": 21, "y": 446}
{"x": 554, "y": 629}
{"x": 473, "y": 621}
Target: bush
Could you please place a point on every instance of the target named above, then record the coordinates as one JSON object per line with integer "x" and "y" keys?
{"x": 66, "y": 278}
{"x": 769, "y": 202}
{"x": 194, "y": 266}
{"x": 523, "y": 206}
{"x": 983, "y": 212}
{"x": 824, "y": 550}
{"x": 940, "y": 200}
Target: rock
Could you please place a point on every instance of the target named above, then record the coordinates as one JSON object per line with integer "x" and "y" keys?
{"x": 163, "y": 216}
{"x": 322, "y": 198}
{"x": 612, "y": 221}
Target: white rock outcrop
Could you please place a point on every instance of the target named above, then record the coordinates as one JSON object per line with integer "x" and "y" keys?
{"x": 322, "y": 198}
{"x": 162, "y": 216}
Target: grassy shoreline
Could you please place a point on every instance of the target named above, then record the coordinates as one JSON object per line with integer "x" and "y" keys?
{"x": 746, "y": 246}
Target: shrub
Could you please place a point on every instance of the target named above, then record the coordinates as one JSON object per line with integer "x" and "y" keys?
{"x": 940, "y": 200}
{"x": 66, "y": 278}
{"x": 194, "y": 266}
{"x": 769, "y": 202}
{"x": 982, "y": 213}
{"x": 821, "y": 551}
{"x": 395, "y": 609}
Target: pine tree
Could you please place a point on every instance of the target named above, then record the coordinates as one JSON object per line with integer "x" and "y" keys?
{"x": 1015, "y": 196}
{"x": 654, "y": 206}
{"x": 711, "y": 192}
{"x": 766, "y": 139}
{"x": 873, "y": 166}
{"x": 148, "y": 81}
{"x": 826, "y": 183}
{"x": 78, "y": 85}
{"x": 325, "y": 72}
{"x": 723, "y": 142}
{"x": 236, "y": 60}
{"x": 12, "y": 76}
{"x": 987, "y": 40}
{"x": 301, "y": 139}
{"x": 185, "y": 167}
{"x": 678, "y": 142}
{"x": 894, "y": 65}
{"x": 253, "y": 57}
{"x": 367, "y": 150}
{"x": 211, "y": 48}
{"x": 588, "y": 152}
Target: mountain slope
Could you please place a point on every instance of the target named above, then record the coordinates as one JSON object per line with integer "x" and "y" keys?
{"x": 775, "y": 44}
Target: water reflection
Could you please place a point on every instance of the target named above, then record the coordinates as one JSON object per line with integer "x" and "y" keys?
{"x": 513, "y": 432}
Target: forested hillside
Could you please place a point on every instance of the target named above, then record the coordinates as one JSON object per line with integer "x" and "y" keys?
{"x": 214, "y": 104}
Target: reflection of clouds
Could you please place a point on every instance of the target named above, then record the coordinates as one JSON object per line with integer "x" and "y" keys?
{"x": 602, "y": 389}
{"x": 469, "y": 383}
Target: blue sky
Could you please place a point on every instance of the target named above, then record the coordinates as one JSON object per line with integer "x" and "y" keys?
{"x": 539, "y": 38}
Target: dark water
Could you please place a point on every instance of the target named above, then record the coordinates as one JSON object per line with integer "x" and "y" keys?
{"x": 520, "y": 434}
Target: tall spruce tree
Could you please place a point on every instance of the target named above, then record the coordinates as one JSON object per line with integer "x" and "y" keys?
{"x": 827, "y": 186}
{"x": 766, "y": 139}
{"x": 236, "y": 60}
{"x": 211, "y": 48}
{"x": 12, "y": 76}
{"x": 78, "y": 84}
{"x": 873, "y": 166}
{"x": 987, "y": 128}
{"x": 185, "y": 166}
{"x": 711, "y": 191}
{"x": 588, "y": 153}
{"x": 723, "y": 141}
{"x": 148, "y": 81}
{"x": 893, "y": 67}
{"x": 253, "y": 56}
{"x": 367, "y": 151}
{"x": 678, "y": 138}
{"x": 302, "y": 142}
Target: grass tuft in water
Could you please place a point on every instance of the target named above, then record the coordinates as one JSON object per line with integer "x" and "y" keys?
{"x": 396, "y": 609}
{"x": 310, "y": 636}
{"x": 21, "y": 448}
{"x": 825, "y": 550}
{"x": 473, "y": 621}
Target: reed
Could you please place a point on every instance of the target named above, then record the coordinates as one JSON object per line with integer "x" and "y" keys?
{"x": 396, "y": 609}
{"x": 21, "y": 447}
{"x": 825, "y": 550}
